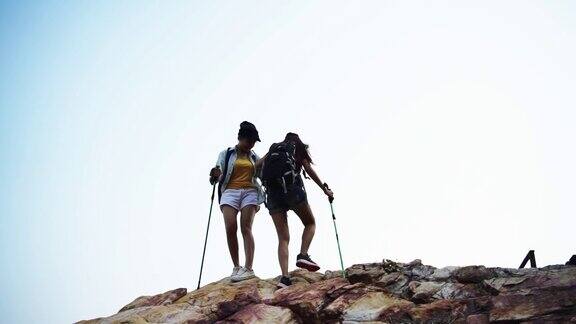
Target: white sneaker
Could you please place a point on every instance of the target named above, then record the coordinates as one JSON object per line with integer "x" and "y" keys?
{"x": 235, "y": 272}
{"x": 243, "y": 274}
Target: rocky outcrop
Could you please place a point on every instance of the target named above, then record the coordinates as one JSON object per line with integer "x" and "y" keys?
{"x": 383, "y": 292}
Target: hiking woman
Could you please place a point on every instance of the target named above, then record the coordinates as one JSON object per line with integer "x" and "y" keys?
{"x": 239, "y": 191}
{"x": 283, "y": 196}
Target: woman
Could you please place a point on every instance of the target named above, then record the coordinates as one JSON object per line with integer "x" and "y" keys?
{"x": 280, "y": 199}
{"x": 239, "y": 191}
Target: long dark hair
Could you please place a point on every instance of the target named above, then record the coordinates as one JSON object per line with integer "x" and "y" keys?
{"x": 301, "y": 151}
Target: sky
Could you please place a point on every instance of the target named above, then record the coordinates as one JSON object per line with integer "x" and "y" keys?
{"x": 445, "y": 129}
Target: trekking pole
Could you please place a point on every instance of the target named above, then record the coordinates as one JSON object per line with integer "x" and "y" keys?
{"x": 331, "y": 199}
{"x": 207, "y": 229}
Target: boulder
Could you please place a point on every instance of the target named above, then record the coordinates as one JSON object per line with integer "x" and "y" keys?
{"x": 395, "y": 283}
{"x": 308, "y": 300}
{"x": 535, "y": 296}
{"x": 262, "y": 314}
{"x": 532, "y": 304}
{"x": 364, "y": 303}
{"x": 161, "y": 299}
{"x": 223, "y": 298}
{"x": 422, "y": 292}
{"x": 472, "y": 274}
{"x": 365, "y": 273}
{"x": 443, "y": 274}
{"x": 377, "y": 306}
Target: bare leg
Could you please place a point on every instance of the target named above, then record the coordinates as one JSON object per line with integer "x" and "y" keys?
{"x": 305, "y": 213}
{"x": 281, "y": 223}
{"x": 246, "y": 218}
{"x": 231, "y": 228}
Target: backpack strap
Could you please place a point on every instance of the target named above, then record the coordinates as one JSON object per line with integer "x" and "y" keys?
{"x": 224, "y": 172}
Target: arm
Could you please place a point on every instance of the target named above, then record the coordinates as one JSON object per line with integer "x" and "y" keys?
{"x": 260, "y": 161}
{"x": 308, "y": 167}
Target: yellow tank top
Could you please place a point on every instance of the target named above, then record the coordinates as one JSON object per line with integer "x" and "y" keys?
{"x": 241, "y": 174}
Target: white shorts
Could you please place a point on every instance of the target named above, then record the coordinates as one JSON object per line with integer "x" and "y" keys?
{"x": 239, "y": 198}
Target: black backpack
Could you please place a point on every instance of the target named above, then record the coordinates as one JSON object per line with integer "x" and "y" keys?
{"x": 224, "y": 172}
{"x": 279, "y": 170}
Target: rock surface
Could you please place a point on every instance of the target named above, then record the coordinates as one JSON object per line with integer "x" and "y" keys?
{"x": 385, "y": 292}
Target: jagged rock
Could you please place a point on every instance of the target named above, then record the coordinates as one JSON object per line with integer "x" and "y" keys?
{"x": 391, "y": 266}
{"x": 414, "y": 263}
{"x": 364, "y": 303}
{"x": 458, "y": 291}
{"x": 365, "y": 273}
{"x": 498, "y": 284}
{"x": 441, "y": 311}
{"x": 182, "y": 313}
{"x": 473, "y": 274}
{"x": 443, "y": 274}
{"x": 308, "y": 300}
{"x": 386, "y": 292}
{"x": 419, "y": 271}
{"x": 529, "y": 304}
{"x": 332, "y": 274}
{"x": 537, "y": 295}
{"x": 223, "y": 298}
{"x": 369, "y": 305}
{"x": 553, "y": 279}
{"x": 301, "y": 275}
{"x": 161, "y": 299}
{"x": 371, "y": 272}
{"x": 262, "y": 313}
{"x": 395, "y": 283}
{"x": 422, "y": 292}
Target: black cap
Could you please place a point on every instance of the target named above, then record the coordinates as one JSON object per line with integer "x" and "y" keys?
{"x": 248, "y": 130}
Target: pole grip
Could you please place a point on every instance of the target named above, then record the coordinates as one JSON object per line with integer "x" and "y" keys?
{"x": 330, "y": 199}
{"x": 213, "y": 179}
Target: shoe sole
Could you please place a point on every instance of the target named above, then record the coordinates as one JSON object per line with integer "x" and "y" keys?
{"x": 281, "y": 285}
{"x": 307, "y": 265}
{"x": 242, "y": 278}
{"x": 233, "y": 275}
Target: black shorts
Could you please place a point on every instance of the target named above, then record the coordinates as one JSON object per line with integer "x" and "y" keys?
{"x": 278, "y": 201}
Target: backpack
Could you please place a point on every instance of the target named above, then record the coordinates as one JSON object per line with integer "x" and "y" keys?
{"x": 224, "y": 172}
{"x": 279, "y": 170}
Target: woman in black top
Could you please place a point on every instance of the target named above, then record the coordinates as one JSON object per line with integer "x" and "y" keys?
{"x": 280, "y": 201}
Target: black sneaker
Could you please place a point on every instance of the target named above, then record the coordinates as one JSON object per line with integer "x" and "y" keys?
{"x": 284, "y": 282}
{"x": 304, "y": 261}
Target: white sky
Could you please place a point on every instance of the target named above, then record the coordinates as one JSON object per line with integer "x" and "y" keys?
{"x": 445, "y": 130}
